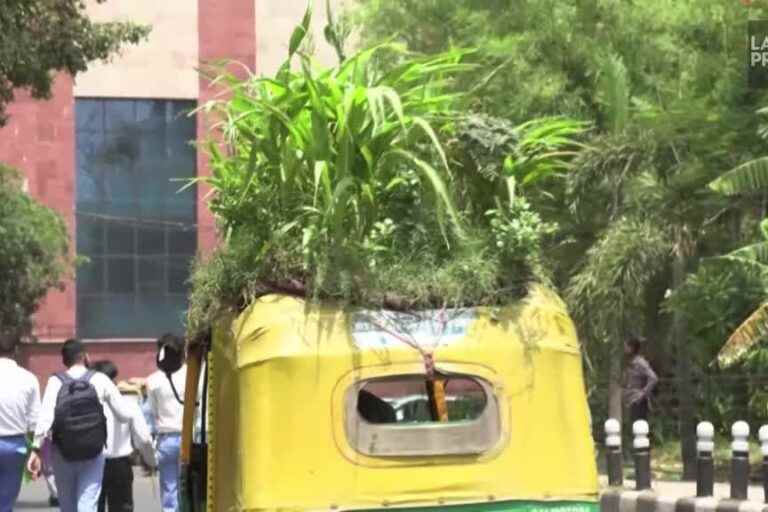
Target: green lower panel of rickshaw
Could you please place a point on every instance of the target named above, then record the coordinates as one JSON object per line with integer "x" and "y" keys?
{"x": 508, "y": 506}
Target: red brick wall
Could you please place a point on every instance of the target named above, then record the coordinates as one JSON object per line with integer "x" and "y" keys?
{"x": 39, "y": 139}
{"x": 227, "y": 30}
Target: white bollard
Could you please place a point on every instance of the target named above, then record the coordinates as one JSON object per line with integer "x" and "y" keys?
{"x": 763, "y": 435}
{"x": 640, "y": 430}
{"x": 705, "y": 467}
{"x": 739, "y": 460}
{"x": 613, "y": 443}
{"x": 642, "y": 451}
{"x": 612, "y": 433}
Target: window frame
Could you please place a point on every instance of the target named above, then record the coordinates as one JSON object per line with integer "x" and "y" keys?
{"x": 465, "y": 438}
{"x": 177, "y": 224}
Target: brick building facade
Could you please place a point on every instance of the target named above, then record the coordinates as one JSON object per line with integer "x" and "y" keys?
{"x": 103, "y": 152}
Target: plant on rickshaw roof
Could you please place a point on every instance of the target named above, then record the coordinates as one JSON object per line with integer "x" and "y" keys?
{"x": 354, "y": 183}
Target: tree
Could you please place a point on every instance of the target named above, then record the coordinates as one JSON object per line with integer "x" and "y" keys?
{"x": 750, "y": 178}
{"x": 34, "y": 254}
{"x": 662, "y": 81}
{"x": 40, "y": 37}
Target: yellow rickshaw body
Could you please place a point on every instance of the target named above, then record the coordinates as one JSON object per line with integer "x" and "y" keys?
{"x": 279, "y": 376}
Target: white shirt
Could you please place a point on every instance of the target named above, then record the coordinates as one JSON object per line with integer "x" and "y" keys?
{"x": 168, "y": 412}
{"x": 108, "y": 394}
{"x": 19, "y": 399}
{"x": 122, "y": 437}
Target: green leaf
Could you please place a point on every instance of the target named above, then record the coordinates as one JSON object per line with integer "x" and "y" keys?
{"x": 438, "y": 186}
{"x": 753, "y": 330}
{"x": 613, "y": 93}
{"x": 427, "y": 128}
{"x": 748, "y": 178}
{"x": 301, "y": 31}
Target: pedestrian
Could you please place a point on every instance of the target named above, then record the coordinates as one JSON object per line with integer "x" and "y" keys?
{"x": 47, "y": 471}
{"x": 168, "y": 412}
{"x": 78, "y": 433}
{"x": 639, "y": 380}
{"x": 117, "y": 486}
{"x": 19, "y": 409}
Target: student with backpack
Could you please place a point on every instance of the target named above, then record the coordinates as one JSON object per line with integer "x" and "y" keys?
{"x": 72, "y": 413}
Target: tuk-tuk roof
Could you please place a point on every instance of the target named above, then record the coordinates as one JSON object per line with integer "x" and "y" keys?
{"x": 539, "y": 322}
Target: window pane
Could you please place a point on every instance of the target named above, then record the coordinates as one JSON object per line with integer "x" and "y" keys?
{"x": 91, "y": 185}
{"x": 90, "y": 276}
{"x": 405, "y": 400}
{"x": 391, "y": 417}
{"x": 128, "y": 153}
{"x": 465, "y": 399}
{"x": 120, "y": 238}
{"x": 178, "y": 273}
{"x": 89, "y": 115}
{"x": 101, "y": 317}
{"x": 90, "y": 235}
{"x": 182, "y": 242}
{"x": 152, "y": 276}
{"x": 151, "y": 240}
{"x": 120, "y": 275}
{"x": 118, "y": 114}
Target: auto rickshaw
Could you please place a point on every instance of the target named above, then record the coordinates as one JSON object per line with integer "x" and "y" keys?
{"x": 318, "y": 407}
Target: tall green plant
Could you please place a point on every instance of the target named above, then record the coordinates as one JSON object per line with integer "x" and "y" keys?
{"x": 335, "y": 184}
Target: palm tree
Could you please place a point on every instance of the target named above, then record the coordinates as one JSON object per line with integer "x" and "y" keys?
{"x": 642, "y": 188}
{"x": 748, "y": 178}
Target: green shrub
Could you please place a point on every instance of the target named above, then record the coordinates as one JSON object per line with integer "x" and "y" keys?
{"x": 336, "y": 184}
{"x": 34, "y": 254}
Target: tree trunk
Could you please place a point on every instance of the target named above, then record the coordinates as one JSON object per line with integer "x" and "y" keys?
{"x": 614, "y": 386}
{"x": 684, "y": 378}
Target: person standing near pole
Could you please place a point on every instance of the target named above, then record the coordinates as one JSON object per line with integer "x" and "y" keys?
{"x": 168, "y": 413}
{"x": 639, "y": 381}
{"x": 19, "y": 409}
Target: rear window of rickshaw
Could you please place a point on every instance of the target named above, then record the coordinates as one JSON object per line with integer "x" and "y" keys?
{"x": 405, "y": 400}
{"x": 395, "y": 416}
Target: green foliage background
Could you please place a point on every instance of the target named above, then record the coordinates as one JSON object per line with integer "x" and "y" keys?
{"x": 34, "y": 254}
{"x": 663, "y": 83}
{"x": 39, "y": 38}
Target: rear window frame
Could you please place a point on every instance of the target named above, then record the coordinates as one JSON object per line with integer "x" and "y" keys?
{"x": 462, "y": 438}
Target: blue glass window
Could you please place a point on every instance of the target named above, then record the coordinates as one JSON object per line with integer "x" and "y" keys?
{"x": 134, "y": 226}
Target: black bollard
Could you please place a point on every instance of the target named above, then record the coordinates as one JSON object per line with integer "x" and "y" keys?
{"x": 614, "y": 457}
{"x": 763, "y": 435}
{"x": 705, "y": 466}
{"x": 642, "y": 452}
{"x": 740, "y": 460}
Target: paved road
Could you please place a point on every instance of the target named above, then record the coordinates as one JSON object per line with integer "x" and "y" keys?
{"x": 34, "y": 496}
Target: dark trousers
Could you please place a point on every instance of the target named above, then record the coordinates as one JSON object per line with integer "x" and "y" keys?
{"x": 117, "y": 487}
{"x": 638, "y": 411}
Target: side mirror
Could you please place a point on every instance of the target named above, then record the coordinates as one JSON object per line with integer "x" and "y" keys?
{"x": 169, "y": 360}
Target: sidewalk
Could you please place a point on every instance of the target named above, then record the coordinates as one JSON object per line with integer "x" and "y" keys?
{"x": 688, "y": 489}
{"x": 34, "y": 496}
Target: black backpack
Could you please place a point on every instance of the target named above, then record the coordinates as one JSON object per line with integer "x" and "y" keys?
{"x": 79, "y": 424}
